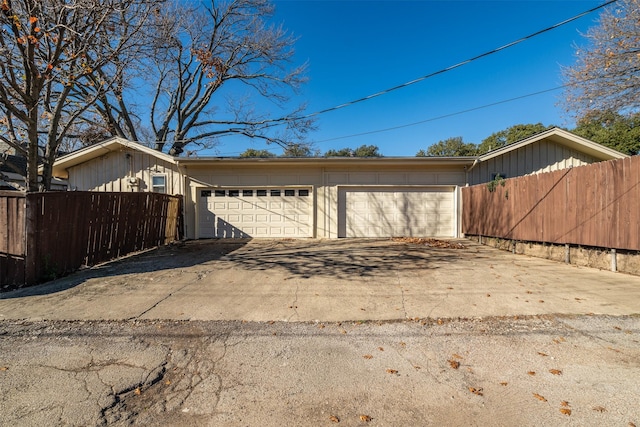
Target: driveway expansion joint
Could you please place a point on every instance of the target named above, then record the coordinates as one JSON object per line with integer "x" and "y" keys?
{"x": 157, "y": 303}
{"x": 294, "y": 304}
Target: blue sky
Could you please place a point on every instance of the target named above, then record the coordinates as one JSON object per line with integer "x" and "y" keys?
{"x": 360, "y": 47}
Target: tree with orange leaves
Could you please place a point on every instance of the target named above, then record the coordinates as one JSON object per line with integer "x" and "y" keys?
{"x": 56, "y": 59}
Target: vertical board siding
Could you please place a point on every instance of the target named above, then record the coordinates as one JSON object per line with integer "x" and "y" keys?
{"x": 545, "y": 156}
{"x": 69, "y": 229}
{"x": 595, "y": 205}
{"x": 112, "y": 173}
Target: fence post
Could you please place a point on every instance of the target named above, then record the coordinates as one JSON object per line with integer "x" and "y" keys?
{"x": 614, "y": 260}
{"x": 567, "y": 254}
{"x": 31, "y": 241}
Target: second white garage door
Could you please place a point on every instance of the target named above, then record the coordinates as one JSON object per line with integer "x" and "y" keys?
{"x": 251, "y": 212}
{"x": 394, "y": 212}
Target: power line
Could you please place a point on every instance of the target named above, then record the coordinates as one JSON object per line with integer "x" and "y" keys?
{"x": 504, "y": 101}
{"x": 432, "y": 119}
{"x": 282, "y": 120}
{"x": 459, "y": 64}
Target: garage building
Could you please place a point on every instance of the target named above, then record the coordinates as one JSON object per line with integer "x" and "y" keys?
{"x": 318, "y": 197}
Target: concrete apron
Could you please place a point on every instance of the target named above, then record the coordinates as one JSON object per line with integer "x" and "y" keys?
{"x": 324, "y": 281}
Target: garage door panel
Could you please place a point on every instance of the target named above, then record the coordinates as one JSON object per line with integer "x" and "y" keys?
{"x": 291, "y": 231}
{"x": 270, "y": 212}
{"x": 377, "y": 212}
{"x": 275, "y": 218}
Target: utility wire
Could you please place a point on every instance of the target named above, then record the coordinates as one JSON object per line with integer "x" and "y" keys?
{"x": 444, "y": 116}
{"x": 460, "y": 64}
{"x": 282, "y": 120}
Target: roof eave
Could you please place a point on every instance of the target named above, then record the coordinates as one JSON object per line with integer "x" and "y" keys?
{"x": 114, "y": 144}
{"x": 328, "y": 161}
{"x": 562, "y": 137}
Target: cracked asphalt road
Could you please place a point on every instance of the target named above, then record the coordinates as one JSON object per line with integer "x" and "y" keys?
{"x": 288, "y": 333}
{"x": 533, "y": 371}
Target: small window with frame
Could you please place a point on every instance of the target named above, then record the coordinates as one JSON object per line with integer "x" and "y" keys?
{"x": 247, "y": 193}
{"x": 289, "y": 193}
{"x": 159, "y": 183}
{"x": 220, "y": 193}
{"x": 261, "y": 193}
{"x": 303, "y": 193}
{"x": 275, "y": 193}
{"x": 234, "y": 193}
{"x": 205, "y": 193}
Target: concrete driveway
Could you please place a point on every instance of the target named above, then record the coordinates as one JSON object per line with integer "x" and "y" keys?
{"x": 324, "y": 280}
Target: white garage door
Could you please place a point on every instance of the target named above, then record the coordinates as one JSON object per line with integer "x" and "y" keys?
{"x": 394, "y": 212}
{"x": 264, "y": 212}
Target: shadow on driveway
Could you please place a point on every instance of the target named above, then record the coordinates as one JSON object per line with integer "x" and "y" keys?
{"x": 174, "y": 256}
{"x": 346, "y": 259}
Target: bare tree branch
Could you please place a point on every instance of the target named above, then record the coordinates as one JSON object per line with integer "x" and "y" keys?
{"x": 606, "y": 75}
{"x": 225, "y": 46}
{"x": 56, "y": 60}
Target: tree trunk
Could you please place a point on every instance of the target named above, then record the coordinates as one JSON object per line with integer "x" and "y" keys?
{"x": 32, "y": 150}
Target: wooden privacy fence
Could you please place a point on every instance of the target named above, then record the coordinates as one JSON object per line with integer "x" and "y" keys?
{"x": 61, "y": 231}
{"x": 596, "y": 205}
{"x": 12, "y": 237}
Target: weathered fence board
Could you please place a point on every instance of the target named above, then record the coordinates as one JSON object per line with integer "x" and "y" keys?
{"x": 47, "y": 235}
{"x": 595, "y": 205}
{"x": 12, "y": 232}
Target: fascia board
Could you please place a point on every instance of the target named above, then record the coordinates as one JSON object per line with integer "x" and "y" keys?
{"x": 96, "y": 150}
{"x": 330, "y": 161}
{"x": 562, "y": 137}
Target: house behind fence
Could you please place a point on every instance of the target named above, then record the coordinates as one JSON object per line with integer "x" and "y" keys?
{"x": 51, "y": 234}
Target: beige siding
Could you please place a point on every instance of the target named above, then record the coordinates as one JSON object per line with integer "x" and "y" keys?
{"x": 6, "y": 148}
{"x": 324, "y": 182}
{"x": 382, "y": 177}
{"x": 247, "y": 176}
{"x": 115, "y": 172}
{"x": 544, "y": 156}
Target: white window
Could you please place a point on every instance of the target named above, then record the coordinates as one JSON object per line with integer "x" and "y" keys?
{"x": 159, "y": 183}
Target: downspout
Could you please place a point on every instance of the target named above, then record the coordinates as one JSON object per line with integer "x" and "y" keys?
{"x": 460, "y": 208}
{"x": 183, "y": 184}
{"x": 475, "y": 162}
